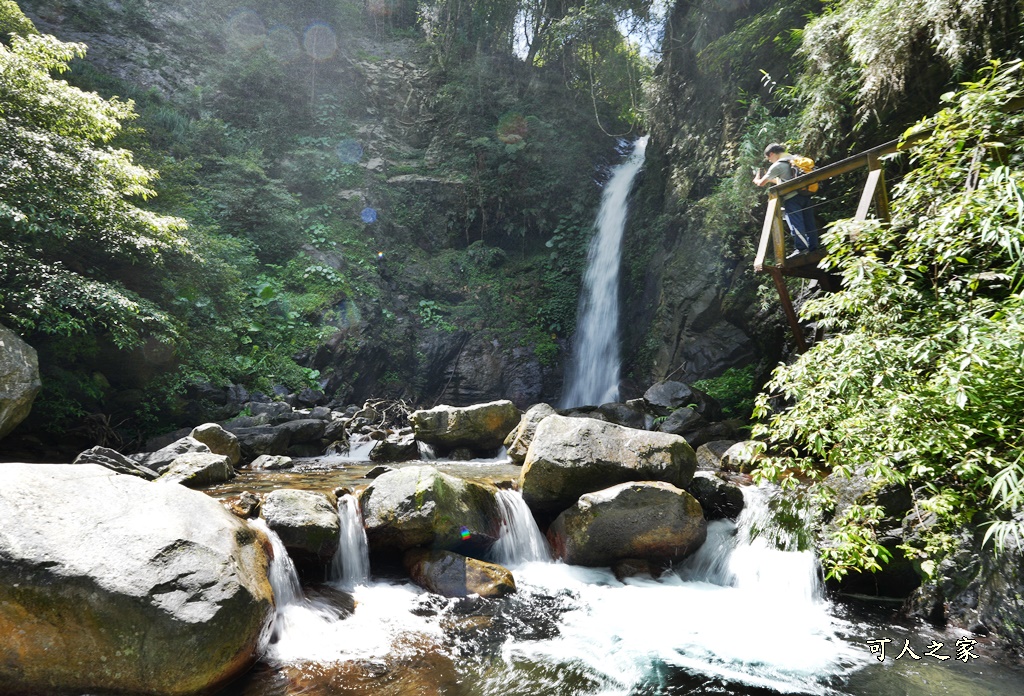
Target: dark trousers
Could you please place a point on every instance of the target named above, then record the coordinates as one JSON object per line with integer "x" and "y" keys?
{"x": 800, "y": 219}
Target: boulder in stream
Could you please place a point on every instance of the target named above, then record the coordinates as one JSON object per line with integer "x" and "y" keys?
{"x": 518, "y": 441}
{"x": 110, "y": 584}
{"x": 306, "y": 521}
{"x": 420, "y": 506}
{"x": 479, "y": 427}
{"x": 219, "y": 440}
{"x": 648, "y": 520}
{"x": 454, "y": 575}
{"x": 162, "y": 459}
{"x": 572, "y": 456}
{"x": 115, "y": 461}
{"x": 198, "y": 469}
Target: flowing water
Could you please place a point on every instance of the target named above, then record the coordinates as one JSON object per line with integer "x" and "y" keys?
{"x": 594, "y": 368}
{"x": 739, "y": 617}
{"x": 351, "y": 564}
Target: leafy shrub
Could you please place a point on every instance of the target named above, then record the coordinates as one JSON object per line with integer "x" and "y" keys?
{"x": 919, "y": 385}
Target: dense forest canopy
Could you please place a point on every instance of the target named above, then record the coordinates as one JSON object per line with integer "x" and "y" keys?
{"x": 347, "y": 192}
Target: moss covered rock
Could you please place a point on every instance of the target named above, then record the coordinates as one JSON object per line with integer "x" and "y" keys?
{"x": 647, "y": 520}
{"x": 112, "y": 584}
{"x": 572, "y": 456}
{"x": 420, "y": 506}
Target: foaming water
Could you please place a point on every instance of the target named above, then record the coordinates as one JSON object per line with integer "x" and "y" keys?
{"x": 740, "y": 611}
{"x": 520, "y": 540}
{"x": 594, "y": 367}
{"x": 357, "y": 451}
{"x": 351, "y": 564}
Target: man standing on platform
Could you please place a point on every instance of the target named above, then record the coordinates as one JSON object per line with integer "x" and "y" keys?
{"x": 797, "y": 204}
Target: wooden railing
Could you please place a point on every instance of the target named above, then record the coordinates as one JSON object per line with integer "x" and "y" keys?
{"x": 773, "y": 232}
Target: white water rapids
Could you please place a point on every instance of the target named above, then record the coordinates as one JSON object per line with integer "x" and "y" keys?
{"x": 738, "y": 611}
{"x": 594, "y": 368}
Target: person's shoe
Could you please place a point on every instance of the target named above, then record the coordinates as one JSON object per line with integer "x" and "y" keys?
{"x": 795, "y": 254}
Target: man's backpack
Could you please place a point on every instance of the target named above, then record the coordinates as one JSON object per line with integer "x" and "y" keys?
{"x": 802, "y": 165}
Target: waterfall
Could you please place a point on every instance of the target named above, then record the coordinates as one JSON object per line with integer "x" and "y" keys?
{"x": 284, "y": 579}
{"x": 520, "y": 540}
{"x": 594, "y": 368}
{"x": 351, "y": 564}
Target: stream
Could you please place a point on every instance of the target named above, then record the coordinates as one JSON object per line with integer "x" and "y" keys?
{"x": 738, "y": 617}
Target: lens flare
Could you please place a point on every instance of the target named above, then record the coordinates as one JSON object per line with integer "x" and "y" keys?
{"x": 368, "y": 215}
{"x": 245, "y": 30}
{"x": 283, "y": 44}
{"x": 464, "y": 533}
{"x": 320, "y": 42}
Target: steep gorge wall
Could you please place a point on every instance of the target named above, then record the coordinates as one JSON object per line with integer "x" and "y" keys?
{"x": 697, "y": 306}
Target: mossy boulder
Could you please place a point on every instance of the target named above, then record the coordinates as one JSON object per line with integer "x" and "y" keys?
{"x": 306, "y": 521}
{"x": 113, "y": 584}
{"x": 454, "y": 575}
{"x": 518, "y": 441}
{"x": 420, "y": 506}
{"x": 478, "y": 427}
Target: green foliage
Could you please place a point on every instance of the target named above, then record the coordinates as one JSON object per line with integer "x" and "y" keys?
{"x": 869, "y": 54}
{"x": 431, "y": 315}
{"x": 76, "y": 245}
{"x": 734, "y": 389}
{"x": 920, "y": 383}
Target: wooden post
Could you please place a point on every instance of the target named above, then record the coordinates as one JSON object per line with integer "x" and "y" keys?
{"x": 787, "y": 307}
{"x": 766, "y": 232}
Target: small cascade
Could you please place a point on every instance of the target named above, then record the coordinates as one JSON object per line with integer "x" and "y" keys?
{"x": 520, "y": 540}
{"x": 594, "y": 369}
{"x": 357, "y": 450}
{"x": 351, "y": 564}
{"x": 426, "y": 452}
{"x": 753, "y": 554}
{"x": 284, "y": 579}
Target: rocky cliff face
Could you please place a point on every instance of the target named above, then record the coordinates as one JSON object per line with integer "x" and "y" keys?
{"x": 697, "y": 307}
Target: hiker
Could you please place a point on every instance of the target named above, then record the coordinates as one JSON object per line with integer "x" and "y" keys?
{"x": 797, "y": 204}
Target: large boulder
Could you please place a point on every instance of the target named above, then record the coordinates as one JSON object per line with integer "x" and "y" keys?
{"x": 420, "y": 506}
{"x": 19, "y": 380}
{"x": 573, "y": 456}
{"x": 219, "y": 440}
{"x": 454, "y": 575}
{"x": 307, "y": 523}
{"x": 304, "y": 430}
{"x": 198, "y": 469}
{"x": 260, "y": 440}
{"x": 518, "y": 441}
{"x": 396, "y": 447}
{"x": 110, "y": 584}
{"x": 681, "y": 421}
{"x": 648, "y": 520}
{"x": 115, "y": 461}
{"x": 717, "y": 497}
{"x": 479, "y": 427}
{"x": 162, "y": 459}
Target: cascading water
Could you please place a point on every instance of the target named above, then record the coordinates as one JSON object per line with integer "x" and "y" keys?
{"x": 351, "y": 564}
{"x": 739, "y": 617}
{"x": 594, "y": 368}
{"x": 520, "y": 540}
